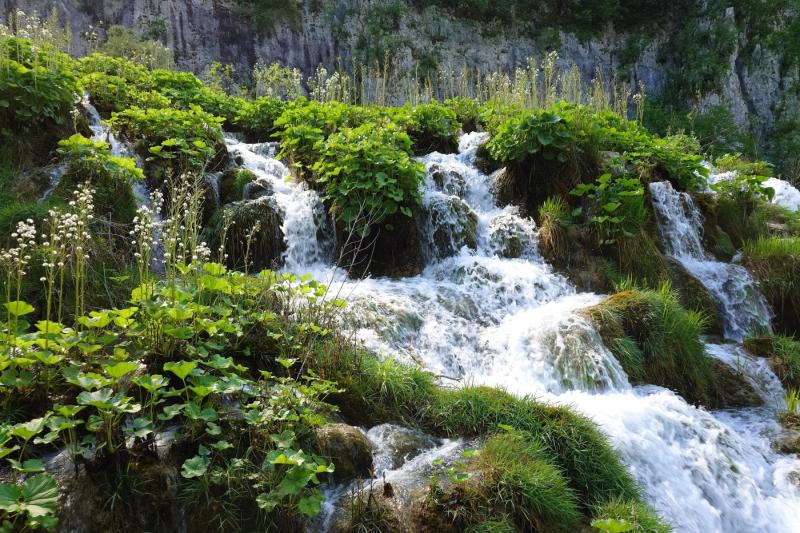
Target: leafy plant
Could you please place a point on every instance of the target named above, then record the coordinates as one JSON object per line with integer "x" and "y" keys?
{"x": 615, "y": 204}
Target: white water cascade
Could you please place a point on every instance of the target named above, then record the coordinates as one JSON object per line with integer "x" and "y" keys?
{"x": 478, "y": 317}
{"x": 741, "y": 306}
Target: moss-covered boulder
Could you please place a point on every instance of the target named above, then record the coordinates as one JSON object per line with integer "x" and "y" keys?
{"x": 730, "y": 388}
{"x": 348, "y": 449}
{"x": 783, "y": 354}
{"x": 511, "y": 236}
{"x": 657, "y": 341}
{"x": 448, "y": 181}
{"x": 692, "y": 294}
{"x": 450, "y": 224}
{"x": 233, "y": 183}
{"x": 391, "y": 249}
{"x": 251, "y": 233}
{"x": 775, "y": 264}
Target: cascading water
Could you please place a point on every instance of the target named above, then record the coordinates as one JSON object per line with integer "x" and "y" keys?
{"x": 480, "y": 317}
{"x": 742, "y": 308}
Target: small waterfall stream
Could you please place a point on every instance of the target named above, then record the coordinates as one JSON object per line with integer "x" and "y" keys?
{"x": 741, "y": 306}
{"x": 479, "y": 317}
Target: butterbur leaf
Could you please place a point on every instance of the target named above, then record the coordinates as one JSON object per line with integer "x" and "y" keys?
{"x": 284, "y": 440}
{"x": 195, "y": 467}
{"x": 267, "y": 502}
{"x": 311, "y": 505}
{"x": 171, "y": 411}
{"x": 222, "y": 445}
{"x": 140, "y": 427}
{"x": 612, "y": 525}
{"x": 101, "y": 399}
{"x": 28, "y": 430}
{"x": 120, "y": 368}
{"x": 40, "y": 495}
{"x": 18, "y": 308}
{"x": 180, "y": 368}
{"x": 9, "y": 497}
{"x": 28, "y": 467}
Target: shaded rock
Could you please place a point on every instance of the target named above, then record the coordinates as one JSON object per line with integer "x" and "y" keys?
{"x": 232, "y": 184}
{"x": 349, "y": 450}
{"x": 256, "y": 189}
{"x": 449, "y": 224}
{"x": 760, "y": 346}
{"x": 510, "y": 236}
{"x": 787, "y": 445}
{"x": 448, "y": 181}
{"x": 256, "y": 221}
{"x": 484, "y": 160}
{"x": 32, "y": 184}
{"x": 694, "y": 295}
{"x": 394, "y": 445}
{"x": 393, "y": 249}
{"x": 730, "y": 389}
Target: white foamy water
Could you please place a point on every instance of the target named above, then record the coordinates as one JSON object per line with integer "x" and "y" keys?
{"x": 786, "y": 194}
{"x": 741, "y": 306}
{"x": 477, "y": 317}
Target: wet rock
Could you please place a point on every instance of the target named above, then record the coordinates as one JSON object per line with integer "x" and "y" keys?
{"x": 256, "y": 189}
{"x": 253, "y": 234}
{"x": 731, "y": 388}
{"x": 32, "y": 184}
{"x": 510, "y": 236}
{"x": 450, "y": 224}
{"x": 232, "y": 184}
{"x": 760, "y": 346}
{"x": 787, "y": 445}
{"x": 392, "y": 249}
{"x": 694, "y": 295}
{"x": 448, "y": 181}
{"x": 349, "y": 450}
{"x": 394, "y": 445}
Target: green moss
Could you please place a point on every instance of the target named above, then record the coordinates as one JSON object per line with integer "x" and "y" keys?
{"x": 775, "y": 263}
{"x": 640, "y": 517}
{"x": 784, "y": 353}
{"x": 666, "y": 335}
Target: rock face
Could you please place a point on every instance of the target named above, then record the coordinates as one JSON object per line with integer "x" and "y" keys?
{"x": 349, "y": 450}
{"x": 393, "y": 250}
{"x": 329, "y": 33}
{"x": 694, "y": 295}
{"x": 731, "y": 389}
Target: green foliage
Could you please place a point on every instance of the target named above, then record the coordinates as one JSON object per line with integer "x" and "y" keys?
{"x": 368, "y": 175}
{"x": 657, "y": 341}
{"x": 539, "y": 132}
{"x": 302, "y": 125}
{"x": 182, "y": 139}
{"x": 123, "y": 42}
{"x": 467, "y": 110}
{"x": 37, "y": 92}
{"x": 614, "y": 204}
{"x": 30, "y": 506}
{"x": 113, "y": 93}
{"x": 433, "y": 127}
{"x": 775, "y": 262}
{"x": 619, "y": 515}
{"x": 110, "y": 176}
{"x": 256, "y": 118}
{"x": 745, "y": 187}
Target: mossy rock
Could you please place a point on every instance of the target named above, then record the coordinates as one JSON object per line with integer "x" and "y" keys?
{"x": 267, "y": 244}
{"x": 484, "y": 160}
{"x": 348, "y": 449}
{"x": 656, "y": 341}
{"x": 393, "y": 249}
{"x": 232, "y": 184}
{"x": 32, "y": 184}
{"x": 775, "y": 264}
{"x": 527, "y": 184}
{"x": 452, "y": 224}
{"x": 692, "y": 294}
{"x": 731, "y": 390}
{"x": 113, "y": 198}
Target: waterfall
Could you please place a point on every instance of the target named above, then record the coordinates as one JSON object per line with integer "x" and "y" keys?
{"x": 741, "y": 306}
{"x": 479, "y": 317}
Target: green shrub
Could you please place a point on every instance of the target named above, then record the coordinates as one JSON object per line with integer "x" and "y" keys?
{"x": 36, "y": 103}
{"x": 111, "y": 93}
{"x": 468, "y": 112}
{"x": 256, "y": 119}
{"x": 775, "y": 263}
{"x": 540, "y": 132}
{"x": 186, "y": 90}
{"x": 135, "y": 74}
{"x": 182, "y": 140}
{"x": 433, "y": 127}
{"x": 111, "y": 177}
{"x": 368, "y": 175}
{"x": 302, "y": 125}
{"x": 614, "y": 205}
{"x": 657, "y": 341}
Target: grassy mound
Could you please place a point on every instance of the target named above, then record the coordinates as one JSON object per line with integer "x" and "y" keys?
{"x": 656, "y": 340}
{"x": 784, "y": 354}
{"x": 775, "y": 263}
